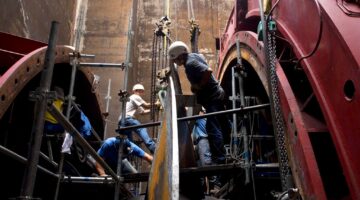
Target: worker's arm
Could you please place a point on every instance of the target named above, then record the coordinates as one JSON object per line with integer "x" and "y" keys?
{"x": 100, "y": 169}
{"x": 148, "y": 157}
{"x": 147, "y": 105}
{"x": 204, "y": 80}
{"x": 137, "y": 151}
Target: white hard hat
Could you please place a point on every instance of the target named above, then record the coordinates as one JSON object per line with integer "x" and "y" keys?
{"x": 176, "y": 49}
{"x": 138, "y": 87}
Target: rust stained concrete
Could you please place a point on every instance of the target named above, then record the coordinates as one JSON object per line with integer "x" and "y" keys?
{"x": 32, "y": 18}
{"x": 105, "y": 34}
{"x": 106, "y": 37}
{"x": 210, "y": 15}
{"x": 106, "y": 30}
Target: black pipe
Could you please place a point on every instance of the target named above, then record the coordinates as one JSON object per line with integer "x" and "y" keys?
{"x": 72, "y": 130}
{"x": 237, "y": 110}
{"x": 28, "y": 184}
{"x": 23, "y": 160}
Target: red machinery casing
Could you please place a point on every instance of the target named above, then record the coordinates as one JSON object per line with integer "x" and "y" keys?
{"x": 333, "y": 73}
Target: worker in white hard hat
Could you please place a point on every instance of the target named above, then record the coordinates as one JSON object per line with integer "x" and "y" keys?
{"x": 209, "y": 94}
{"x": 135, "y": 105}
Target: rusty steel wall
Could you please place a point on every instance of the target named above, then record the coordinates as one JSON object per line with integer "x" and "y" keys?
{"x": 32, "y": 18}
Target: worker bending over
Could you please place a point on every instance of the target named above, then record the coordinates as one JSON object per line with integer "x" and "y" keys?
{"x": 208, "y": 93}
{"x": 109, "y": 152}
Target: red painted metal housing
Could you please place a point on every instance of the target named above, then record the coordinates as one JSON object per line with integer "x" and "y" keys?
{"x": 22, "y": 59}
{"x": 333, "y": 73}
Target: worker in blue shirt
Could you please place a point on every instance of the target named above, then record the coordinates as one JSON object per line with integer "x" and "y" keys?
{"x": 201, "y": 142}
{"x": 109, "y": 152}
{"x": 208, "y": 93}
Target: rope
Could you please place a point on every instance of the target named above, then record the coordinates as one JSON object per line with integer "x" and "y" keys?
{"x": 190, "y": 10}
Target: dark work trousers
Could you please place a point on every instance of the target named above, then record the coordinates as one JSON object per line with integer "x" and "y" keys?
{"x": 217, "y": 127}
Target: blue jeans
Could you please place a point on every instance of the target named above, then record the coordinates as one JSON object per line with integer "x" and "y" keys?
{"x": 203, "y": 150}
{"x": 141, "y": 132}
{"x": 217, "y": 127}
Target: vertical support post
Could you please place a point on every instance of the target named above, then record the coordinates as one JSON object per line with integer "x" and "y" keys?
{"x": 40, "y": 109}
{"x": 74, "y": 62}
{"x": 234, "y": 99}
{"x": 242, "y": 102}
{"x": 70, "y": 99}
{"x": 123, "y": 100}
{"x": 108, "y": 97}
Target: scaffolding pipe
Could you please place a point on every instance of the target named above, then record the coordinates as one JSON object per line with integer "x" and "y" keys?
{"x": 85, "y": 64}
{"x": 108, "y": 98}
{"x": 234, "y": 124}
{"x": 48, "y": 159}
{"x": 28, "y": 184}
{"x": 242, "y": 103}
{"x": 82, "y": 55}
{"x": 195, "y": 117}
{"x": 89, "y": 180}
{"x": 75, "y": 133}
{"x": 23, "y": 160}
{"x": 74, "y": 65}
{"x": 123, "y": 99}
{"x": 80, "y": 140}
{"x": 92, "y": 129}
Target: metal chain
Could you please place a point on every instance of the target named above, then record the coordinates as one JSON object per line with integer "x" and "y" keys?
{"x": 284, "y": 167}
{"x": 153, "y": 76}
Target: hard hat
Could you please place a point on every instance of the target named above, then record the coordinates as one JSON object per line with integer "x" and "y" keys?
{"x": 176, "y": 49}
{"x": 138, "y": 87}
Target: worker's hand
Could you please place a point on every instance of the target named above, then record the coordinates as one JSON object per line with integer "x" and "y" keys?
{"x": 103, "y": 174}
{"x": 157, "y": 103}
{"x": 195, "y": 88}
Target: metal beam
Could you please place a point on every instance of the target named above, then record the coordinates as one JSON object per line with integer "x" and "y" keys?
{"x": 75, "y": 133}
{"x": 192, "y": 171}
{"x": 28, "y": 184}
{"x": 164, "y": 177}
{"x": 23, "y": 160}
{"x": 83, "y": 64}
{"x": 237, "y": 110}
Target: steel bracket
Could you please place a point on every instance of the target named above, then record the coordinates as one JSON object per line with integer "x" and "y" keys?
{"x": 40, "y": 95}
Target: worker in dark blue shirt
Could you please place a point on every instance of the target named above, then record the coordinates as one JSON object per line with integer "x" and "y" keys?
{"x": 208, "y": 93}
{"x": 109, "y": 152}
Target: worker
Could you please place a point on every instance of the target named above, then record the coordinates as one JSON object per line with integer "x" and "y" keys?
{"x": 209, "y": 94}
{"x": 137, "y": 105}
{"x": 81, "y": 122}
{"x": 202, "y": 148}
{"x": 109, "y": 152}
{"x": 201, "y": 142}
{"x": 52, "y": 126}
{"x": 77, "y": 118}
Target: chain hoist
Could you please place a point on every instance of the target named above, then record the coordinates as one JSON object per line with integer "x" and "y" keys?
{"x": 161, "y": 41}
{"x": 266, "y": 32}
{"x": 285, "y": 170}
